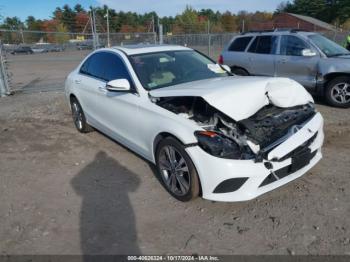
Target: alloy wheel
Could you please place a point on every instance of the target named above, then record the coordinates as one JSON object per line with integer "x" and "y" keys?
{"x": 77, "y": 115}
{"x": 341, "y": 93}
{"x": 174, "y": 170}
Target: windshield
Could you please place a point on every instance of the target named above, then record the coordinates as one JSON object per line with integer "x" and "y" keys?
{"x": 328, "y": 47}
{"x": 162, "y": 69}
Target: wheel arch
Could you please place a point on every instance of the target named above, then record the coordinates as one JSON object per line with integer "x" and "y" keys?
{"x": 72, "y": 96}
{"x": 159, "y": 138}
{"x": 330, "y": 76}
{"x": 239, "y": 67}
{"x": 332, "y": 80}
{"x": 164, "y": 135}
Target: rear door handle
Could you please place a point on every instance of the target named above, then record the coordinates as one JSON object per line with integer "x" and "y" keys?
{"x": 78, "y": 81}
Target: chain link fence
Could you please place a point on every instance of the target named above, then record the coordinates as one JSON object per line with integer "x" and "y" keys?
{"x": 47, "y": 40}
{"x": 39, "y": 61}
{"x": 53, "y": 55}
{"x": 209, "y": 44}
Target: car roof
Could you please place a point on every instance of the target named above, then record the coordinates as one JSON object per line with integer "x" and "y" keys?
{"x": 148, "y": 48}
{"x": 278, "y": 32}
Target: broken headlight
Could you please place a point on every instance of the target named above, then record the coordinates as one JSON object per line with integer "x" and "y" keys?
{"x": 218, "y": 145}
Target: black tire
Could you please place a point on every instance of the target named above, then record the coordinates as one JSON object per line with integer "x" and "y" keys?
{"x": 335, "y": 87}
{"x": 239, "y": 71}
{"x": 190, "y": 176}
{"x": 79, "y": 117}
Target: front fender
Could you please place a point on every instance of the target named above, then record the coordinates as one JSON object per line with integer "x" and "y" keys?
{"x": 334, "y": 65}
{"x": 161, "y": 121}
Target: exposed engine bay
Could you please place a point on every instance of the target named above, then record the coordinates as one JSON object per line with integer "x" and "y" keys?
{"x": 263, "y": 131}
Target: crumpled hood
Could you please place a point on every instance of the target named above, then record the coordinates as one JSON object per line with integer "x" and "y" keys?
{"x": 241, "y": 97}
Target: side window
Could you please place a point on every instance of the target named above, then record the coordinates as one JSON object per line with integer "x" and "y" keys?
{"x": 253, "y": 46}
{"x": 240, "y": 44}
{"x": 292, "y": 45}
{"x": 96, "y": 65}
{"x": 84, "y": 69}
{"x": 266, "y": 44}
{"x": 115, "y": 68}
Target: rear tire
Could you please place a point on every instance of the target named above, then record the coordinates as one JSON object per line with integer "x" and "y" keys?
{"x": 337, "y": 92}
{"x": 175, "y": 167}
{"x": 239, "y": 71}
{"x": 79, "y": 117}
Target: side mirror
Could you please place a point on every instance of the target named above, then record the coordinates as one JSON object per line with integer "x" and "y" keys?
{"x": 118, "y": 85}
{"x": 227, "y": 68}
{"x": 308, "y": 52}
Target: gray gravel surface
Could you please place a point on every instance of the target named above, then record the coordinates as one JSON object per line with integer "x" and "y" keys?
{"x": 63, "y": 192}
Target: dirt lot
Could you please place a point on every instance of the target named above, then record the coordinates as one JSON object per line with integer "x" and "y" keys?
{"x": 67, "y": 193}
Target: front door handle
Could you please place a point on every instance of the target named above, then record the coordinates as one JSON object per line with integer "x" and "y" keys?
{"x": 284, "y": 60}
{"x": 102, "y": 88}
{"x": 77, "y": 81}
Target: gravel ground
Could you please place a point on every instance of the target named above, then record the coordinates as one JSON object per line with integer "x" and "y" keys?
{"x": 63, "y": 192}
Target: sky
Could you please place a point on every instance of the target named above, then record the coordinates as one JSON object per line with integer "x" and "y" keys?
{"x": 43, "y": 9}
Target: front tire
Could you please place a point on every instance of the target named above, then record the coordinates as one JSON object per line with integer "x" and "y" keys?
{"x": 176, "y": 169}
{"x": 79, "y": 117}
{"x": 338, "y": 92}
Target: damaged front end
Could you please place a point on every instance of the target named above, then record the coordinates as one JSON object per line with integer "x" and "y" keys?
{"x": 250, "y": 138}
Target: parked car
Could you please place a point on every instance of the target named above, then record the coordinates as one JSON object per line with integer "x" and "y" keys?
{"x": 55, "y": 48}
{"x": 39, "y": 50}
{"x": 319, "y": 64}
{"x": 88, "y": 45}
{"x": 22, "y": 50}
{"x": 85, "y": 46}
{"x": 208, "y": 132}
{"x": 46, "y": 48}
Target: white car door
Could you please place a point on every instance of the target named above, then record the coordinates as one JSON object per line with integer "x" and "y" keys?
{"x": 86, "y": 83}
{"x": 115, "y": 113}
{"x": 119, "y": 109}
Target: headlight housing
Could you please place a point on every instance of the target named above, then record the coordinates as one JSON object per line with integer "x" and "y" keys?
{"x": 218, "y": 145}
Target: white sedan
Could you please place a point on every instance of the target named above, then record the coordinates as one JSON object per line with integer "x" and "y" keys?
{"x": 224, "y": 137}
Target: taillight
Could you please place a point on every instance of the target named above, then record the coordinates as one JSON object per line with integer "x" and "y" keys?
{"x": 221, "y": 60}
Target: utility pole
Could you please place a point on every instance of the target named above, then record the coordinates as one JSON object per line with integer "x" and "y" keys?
{"x": 160, "y": 29}
{"x": 108, "y": 38}
{"x": 154, "y": 30}
{"x": 92, "y": 29}
{"x": 22, "y": 36}
{"x": 209, "y": 38}
{"x": 4, "y": 88}
{"x": 95, "y": 30}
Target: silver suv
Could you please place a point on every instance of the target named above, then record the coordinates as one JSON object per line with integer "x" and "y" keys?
{"x": 319, "y": 64}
